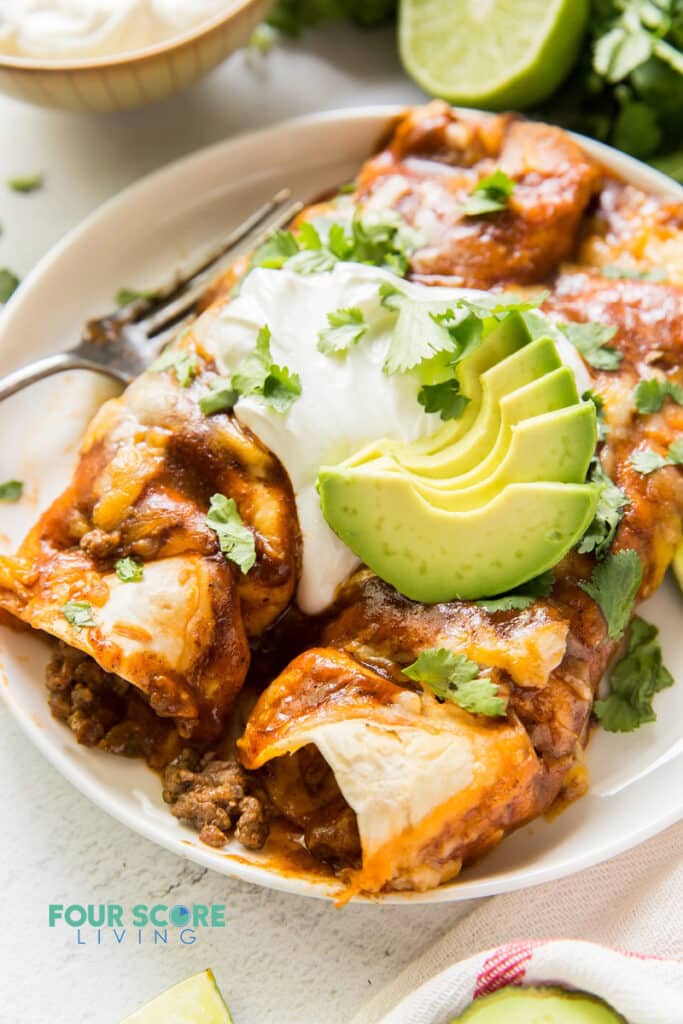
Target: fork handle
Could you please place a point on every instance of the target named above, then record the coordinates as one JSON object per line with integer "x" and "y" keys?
{"x": 41, "y": 368}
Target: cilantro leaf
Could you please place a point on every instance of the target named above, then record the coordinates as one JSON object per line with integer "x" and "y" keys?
{"x": 417, "y": 335}
{"x": 281, "y": 388}
{"x": 649, "y": 395}
{"x": 456, "y": 678}
{"x": 634, "y": 681}
{"x": 26, "y": 182}
{"x": 591, "y": 341}
{"x": 522, "y": 596}
{"x": 236, "y": 540}
{"x": 444, "y": 398}
{"x": 9, "y": 282}
{"x": 480, "y": 697}
{"x": 257, "y": 374}
{"x": 250, "y": 375}
{"x": 308, "y": 237}
{"x": 129, "y": 571}
{"x": 465, "y": 332}
{"x": 78, "y": 614}
{"x": 275, "y": 251}
{"x": 675, "y": 455}
{"x": 346, "y": 328}
{"x": 489, "y": 195}
{"x": 220, "y": 397}
{"x": 124, "y": 296}
{"x": 610, "y": 510}
{"x": 632, "y": 273}
{"x": 11, "y": 490}
{"x": 613, "y": 586}
{"x": 181, "y": 361}
{"x": 380, "y": 238}
{"x": 311, "y": 261}
{"x": 645, "y": 460}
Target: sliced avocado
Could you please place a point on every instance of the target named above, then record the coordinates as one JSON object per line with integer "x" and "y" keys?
{"x": 196, "y": 1000}
{"x": 538, "y": 1006}
{"x": 434, "y": 555}
{"x": 556, "y": 447}
{"x": 556, "y": 390}
{"x": 528, "y": 364}
{"x": 501, "y": 341}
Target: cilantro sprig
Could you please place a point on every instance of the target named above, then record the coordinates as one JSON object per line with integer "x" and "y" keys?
{"x": 184, "y": 364}
{"x": 614, "y": 585}
{"x": 26, "y": 182}
{"x": 345, "y": 328}
{"x": 634, "y": 681}
{"x": 379, "y": 238}
{"x": 220, "y": 397}
{"x": 649, "y": 395}
{"x": 646, "y": 461}
{"x": 9, "y": 282}
{"x": 591, "y": 340}
{"x": 456, "y": 678}
{"x": 418, "y": 333}
{"x": 78, "y": 614}
{"x": 610, "y": 510}
{"x": 129, "y": 571}
{"x": 257, "y": 374}
{"x": 11, "y": 490}
{"x": 444, "y": 398}
{"x": 521, "y": 597}
{"x": 235, "y": 540}
{"x": 489, "y": 195}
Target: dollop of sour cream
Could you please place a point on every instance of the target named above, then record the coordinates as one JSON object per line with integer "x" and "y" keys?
{"x": 347, "y": 401}
{"x": 79, "y": 29}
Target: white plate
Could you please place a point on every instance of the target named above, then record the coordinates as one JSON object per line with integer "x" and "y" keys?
{"x": 134, "y": 240}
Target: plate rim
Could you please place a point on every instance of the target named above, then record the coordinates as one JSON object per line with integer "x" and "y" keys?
{"x": 370, "y": 116}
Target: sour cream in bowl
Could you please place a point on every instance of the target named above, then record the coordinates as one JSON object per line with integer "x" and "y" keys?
{"x": 61, "y": 29}
{"x": 112, "y": 54}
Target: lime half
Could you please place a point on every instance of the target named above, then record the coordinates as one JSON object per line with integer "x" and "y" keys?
{"x": 495, "y": 54}
{"x": 194, "y": 1001}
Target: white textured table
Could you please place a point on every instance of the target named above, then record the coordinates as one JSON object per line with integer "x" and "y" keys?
{"x": 279, "y": 960}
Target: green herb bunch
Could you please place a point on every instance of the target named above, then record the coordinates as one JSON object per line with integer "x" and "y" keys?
{"x": 627, "y": 88}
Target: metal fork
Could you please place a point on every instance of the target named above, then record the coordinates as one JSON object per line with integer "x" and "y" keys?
{"x": 123, "y": 344}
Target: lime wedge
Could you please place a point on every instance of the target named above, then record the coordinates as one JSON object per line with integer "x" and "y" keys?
{"x": 495, "y": 54}
{"x": 678, "y": 565}
{"x": 194, "y": 1001}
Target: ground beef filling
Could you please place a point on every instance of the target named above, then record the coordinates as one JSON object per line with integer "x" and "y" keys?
{"x": 90, "y": 701}
{"x": 214, "y": 797}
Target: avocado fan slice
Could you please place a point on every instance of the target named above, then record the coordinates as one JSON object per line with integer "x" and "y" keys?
{"x": 535, "y": 360}
{"x": 432, "y": 555}
{"x": 197, "y": 1000}
{"x": 500, "y": 341}
{"x": 556, "y": 390}
{"x": 513, "y": 1005}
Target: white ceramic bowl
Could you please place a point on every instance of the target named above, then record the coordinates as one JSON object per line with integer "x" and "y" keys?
{"x": 131, "y": 79}
{"x": 637, "y": 780}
